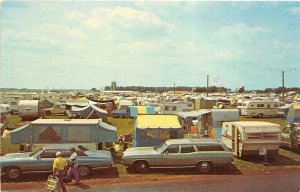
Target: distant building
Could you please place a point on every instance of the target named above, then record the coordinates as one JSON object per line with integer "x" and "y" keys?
{"x": 113, "y": 86}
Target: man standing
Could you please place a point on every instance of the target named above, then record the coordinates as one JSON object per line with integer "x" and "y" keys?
{"x": 73, "y": 169}
{"x": 59, "y": 165}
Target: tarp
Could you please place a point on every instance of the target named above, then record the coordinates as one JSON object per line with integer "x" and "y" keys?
{"x": 62, "y": 131}
{"x": 152, "y": 130}
{"x": 141, "y": 110}
{"x": 293, "y": 115}
{"x": 90, "y": 112}
{"x": 186, "y": 118}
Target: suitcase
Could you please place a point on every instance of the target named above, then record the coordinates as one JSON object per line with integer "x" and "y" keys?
{"x": 52, "y": 184}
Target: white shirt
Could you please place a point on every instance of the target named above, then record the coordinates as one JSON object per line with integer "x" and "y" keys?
{"x": 74, "y": 155}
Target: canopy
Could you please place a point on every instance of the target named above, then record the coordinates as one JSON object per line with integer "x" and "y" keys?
{"x": 64, "y": 131}
{"x": 293, "y": 115}
{"x": 141, "y": 110}
{"x": 152, "y": 130}
{"x": 90, "y": 112}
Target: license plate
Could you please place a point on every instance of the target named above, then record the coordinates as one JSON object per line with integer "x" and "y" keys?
{"x": 262, "y": 151}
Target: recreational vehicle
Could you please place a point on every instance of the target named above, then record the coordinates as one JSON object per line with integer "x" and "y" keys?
{"x": 29, "y": 109}
{"x": 251, "y": 137}
{"x": 172, "y": 108}
{"x": 259, "y": 108}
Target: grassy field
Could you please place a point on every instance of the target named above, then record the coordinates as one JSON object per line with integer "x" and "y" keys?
{"x": 285, "y": 159}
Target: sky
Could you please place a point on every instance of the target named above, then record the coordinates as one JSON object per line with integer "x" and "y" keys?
{"x": 84, "y": 45}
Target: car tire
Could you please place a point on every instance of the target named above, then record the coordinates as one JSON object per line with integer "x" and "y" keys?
{"x": 204, "y": 166}
{"x": 13, "y": 173}
{"x": 260, "y": 115}
{"x": 48, "y": 113}
{"x": 84, "y": 171}
{"x": 142, "y": 167}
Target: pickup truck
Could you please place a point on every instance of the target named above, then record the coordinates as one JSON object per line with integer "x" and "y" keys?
{"x": 58, "y": 108}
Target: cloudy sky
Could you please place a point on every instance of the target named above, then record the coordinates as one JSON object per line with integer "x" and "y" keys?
{"x": 84, "y": 45}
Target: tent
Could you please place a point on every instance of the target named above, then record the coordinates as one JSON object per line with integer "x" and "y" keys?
{"x": 90, "y": 112}
{"x": 43, "y": 131}
{"x": 152, "y": 130}
{"x": 47, "y": 103}
{"x": 141, "y": 110}
{"x": 293, "y": 115}
{"x": 186, "y": 118}
{"x": 218, "y": 117}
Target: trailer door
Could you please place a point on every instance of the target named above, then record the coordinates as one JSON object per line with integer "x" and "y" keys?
{"x": 235, "y": 140}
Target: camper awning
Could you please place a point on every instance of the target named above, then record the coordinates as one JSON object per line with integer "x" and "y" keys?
{"x": 64, "y": 131}
{"x": 157, "y": 121}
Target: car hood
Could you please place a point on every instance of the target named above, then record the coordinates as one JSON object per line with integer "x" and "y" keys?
{"x": 15, "y": 156}
{"x": 140, "y": 151}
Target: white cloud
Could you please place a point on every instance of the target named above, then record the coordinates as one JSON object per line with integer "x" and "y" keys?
{"x": 295, "y": 10}
{"x": 241, "y": 30}
{"x": 124, "y": 17}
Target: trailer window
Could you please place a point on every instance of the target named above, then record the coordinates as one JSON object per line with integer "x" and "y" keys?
{"x": 260, "y": 105}
{"x": 264, "y": 136}
{"x": 166, "y": 108}
{"x": 174, "y": 108}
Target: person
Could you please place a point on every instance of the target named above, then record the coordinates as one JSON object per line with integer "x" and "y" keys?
{"x": 59, "y": 165}
{"x": 73, "y": 169}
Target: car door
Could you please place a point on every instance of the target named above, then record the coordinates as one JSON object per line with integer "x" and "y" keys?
{"x": 46, "y": 159}
{"x": 169, "y": 156}
{"x": 187, "y": 155}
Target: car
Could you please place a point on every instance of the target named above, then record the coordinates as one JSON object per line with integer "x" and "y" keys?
{"x": 119, "y": 114}
{"x": 14, "y": 164}
{"x": 202, "y": 154}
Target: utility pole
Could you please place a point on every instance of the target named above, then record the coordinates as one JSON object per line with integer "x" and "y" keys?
{"x": 282, "y": 76}
{"x": 282, "y": 85}
{"x": 207, "y": 80}
{"x": 174, "y": 89}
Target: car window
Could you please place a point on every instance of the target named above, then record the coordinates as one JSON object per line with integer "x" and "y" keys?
{"x": 172, "y": 149}
{"x": 80, "y": 153}
{"x": 49, "y": 153}
{"x": 209, "y": 148}
{"x": 187, "y": 149}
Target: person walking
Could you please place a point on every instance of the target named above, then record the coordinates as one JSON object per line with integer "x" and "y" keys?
{"x": 73, "y": 169}
{"x": 59, "y": 165}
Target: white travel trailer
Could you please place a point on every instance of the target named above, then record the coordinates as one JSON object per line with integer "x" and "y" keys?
{"x": 29, "y": 109}
{"x": 259, "y": 108}
{"x": 175, "y": 107}
{"x": 251, "y": 137}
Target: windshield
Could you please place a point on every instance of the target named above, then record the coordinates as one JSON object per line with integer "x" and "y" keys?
{"x": 33, "y": 153}
{"x": 160, "y": 148}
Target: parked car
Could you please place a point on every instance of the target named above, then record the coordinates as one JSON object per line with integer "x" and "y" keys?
{"x": 119, "y": 114}
{"x": 58, "y": 108}
{"x": 202, "y": 154}
{"x": 14, "y": 164}
{"x": 291, "y": 140}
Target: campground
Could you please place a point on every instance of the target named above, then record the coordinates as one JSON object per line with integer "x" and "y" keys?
{"x": 286, "y": 159}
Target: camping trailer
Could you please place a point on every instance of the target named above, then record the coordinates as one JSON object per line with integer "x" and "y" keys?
{"x": 29, "y": 109}
{"x": 259, "y": 108}
{"x": 251, "y": 137}
{"x": 175, "y": 107}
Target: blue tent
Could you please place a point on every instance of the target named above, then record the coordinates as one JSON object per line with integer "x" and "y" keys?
{"x": 64, "y": 131}
{"x": 90, "y": 112}
{"x": 293, "y": 115}
{"x": 152, "y": 130}
{"x": 134, "y": 111}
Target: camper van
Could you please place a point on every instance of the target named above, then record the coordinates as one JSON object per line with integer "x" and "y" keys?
{"x": 259, "y": 108}
{"x": 175, "y": 107}
{"x": 29, "y": 109}
{"x": 251, "y": 137}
